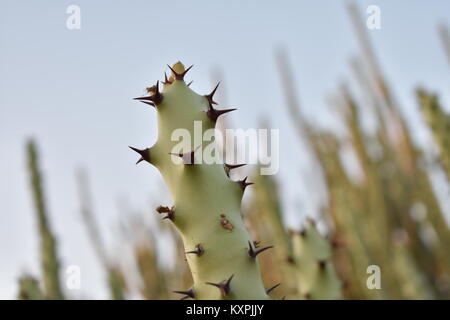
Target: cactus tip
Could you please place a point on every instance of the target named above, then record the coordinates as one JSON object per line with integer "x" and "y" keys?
{"x": 178, "y": 75}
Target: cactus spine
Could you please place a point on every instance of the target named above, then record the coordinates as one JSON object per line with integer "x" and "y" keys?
{"x": 206, "y": 208}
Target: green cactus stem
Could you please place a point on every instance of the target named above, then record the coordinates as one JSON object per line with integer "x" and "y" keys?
{"x": 206, "y": 208}
{"x": 49, "y": 258}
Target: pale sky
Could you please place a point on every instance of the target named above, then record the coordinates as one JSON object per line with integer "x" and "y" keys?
{"x": 72, "y": 90}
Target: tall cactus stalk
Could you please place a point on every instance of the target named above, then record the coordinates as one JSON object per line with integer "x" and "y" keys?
{"x": 49, "y": 258}
{"x": 206, "y": 209}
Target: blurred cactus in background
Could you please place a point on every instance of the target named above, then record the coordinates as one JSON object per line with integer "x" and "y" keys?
{"x": 50, "y": 264}
{"x": 29, "y": 289}
{"x": 388, "y": 215}
{"x": 313, "y": 255}
{"x": 439, "y": 123}
{"x": 115, "y": 277}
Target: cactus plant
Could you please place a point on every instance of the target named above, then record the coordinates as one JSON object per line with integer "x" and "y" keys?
{"x": 49, "y": 259}
{"x": 206, "y": 209}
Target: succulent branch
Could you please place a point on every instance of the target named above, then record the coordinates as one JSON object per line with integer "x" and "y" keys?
{"x": 206, "y": 209}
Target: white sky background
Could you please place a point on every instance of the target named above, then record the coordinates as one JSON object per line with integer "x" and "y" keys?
{"x": 73, "y": 90}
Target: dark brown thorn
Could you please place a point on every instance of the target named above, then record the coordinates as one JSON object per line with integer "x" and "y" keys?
{"x": 229, "y": 167}
{"x": 244, "y": 184}
{"x": 187, "y": 294}
{"x": 170, "y": 212}
{"x": 224, "y": 286}
{"x": 148, "y": 102}
{"x": 189, "y": 84}
{"x": 145, "y": 154}
{"x": 210, "y": 96}
{"x": 156, "y": 97}
{"x": 256, "y": 243}
{"x": 179, "y": 76}
{"x": 253, "y": 253}
{"x": 269, "y": 290}
{"x": 149, "y": 98}
{"x": 198, "y": 250}
{"x": 234, "y": 166}
{"x": 166, "y": 81}
{"x": 322, "y": 264}
{"x": 214, "y": 114}
{"x": 188, "y": 157}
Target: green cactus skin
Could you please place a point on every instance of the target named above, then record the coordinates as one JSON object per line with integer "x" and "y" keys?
{"x": 207, "y": 203}
{"x": 316, "y": 276}
{"x": 49, "y": 258}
